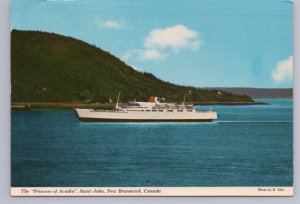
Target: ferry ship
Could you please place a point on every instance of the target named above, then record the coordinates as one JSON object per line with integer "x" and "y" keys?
{"x": 151, "y": 111}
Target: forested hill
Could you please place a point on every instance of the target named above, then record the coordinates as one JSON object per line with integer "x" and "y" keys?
{"x": 47, "y": 67}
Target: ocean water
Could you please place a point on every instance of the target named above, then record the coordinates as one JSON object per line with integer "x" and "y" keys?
{"x": 247, "y": 146}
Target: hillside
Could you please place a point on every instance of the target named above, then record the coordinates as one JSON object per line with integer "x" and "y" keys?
{"x": 260, "y": 92}
{"x": 47, "y": 67}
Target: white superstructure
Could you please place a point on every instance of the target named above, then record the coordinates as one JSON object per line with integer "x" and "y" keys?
{"x": 151, "y": 111}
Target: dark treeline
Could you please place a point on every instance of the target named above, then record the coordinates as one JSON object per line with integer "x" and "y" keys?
{"x": 48, "y": 67}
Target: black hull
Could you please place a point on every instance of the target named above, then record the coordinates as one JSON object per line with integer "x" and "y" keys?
{"x": 142, "y": 120}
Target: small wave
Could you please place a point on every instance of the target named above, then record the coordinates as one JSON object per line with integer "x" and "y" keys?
{"x": 90, "y": 171}
{"x": 238, "y": 167}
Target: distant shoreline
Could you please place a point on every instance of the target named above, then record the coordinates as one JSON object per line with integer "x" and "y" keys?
{"x": 229, "y": 103}
{"x": 257, "y": 92}
{"x": 27, "y": 106}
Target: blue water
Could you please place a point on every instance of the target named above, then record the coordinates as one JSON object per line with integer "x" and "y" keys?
{"x": 247, "y": 146}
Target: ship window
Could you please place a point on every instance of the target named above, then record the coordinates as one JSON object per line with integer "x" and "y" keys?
{"x": 180, "y": 110}
{"x": 154, "y": 110}
{"x": 147, "y": 110}
{"x": 170, "y": 110}
{"x": 189, "y": 110}
{"x": 160, "y": 110}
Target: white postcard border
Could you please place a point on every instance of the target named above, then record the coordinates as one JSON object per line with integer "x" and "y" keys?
{"x": 151, "y": 191}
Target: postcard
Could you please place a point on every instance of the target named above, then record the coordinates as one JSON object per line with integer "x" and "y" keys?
{"x": 151, "y": 98}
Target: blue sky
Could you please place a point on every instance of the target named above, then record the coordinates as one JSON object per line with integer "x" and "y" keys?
{"x": 203, "y": 43}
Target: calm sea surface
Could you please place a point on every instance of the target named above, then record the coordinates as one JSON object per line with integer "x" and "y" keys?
{"x": 247, "y": 146}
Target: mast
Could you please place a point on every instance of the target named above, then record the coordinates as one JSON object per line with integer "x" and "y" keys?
{"x": 184, "y": 100}
{"x": 117, "y": 105}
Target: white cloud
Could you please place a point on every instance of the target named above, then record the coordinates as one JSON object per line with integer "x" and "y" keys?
{"x": 130, "y": 53}
{"x": 134, "y": 67}
{"x": 175, "y": 38}
{"x": 161, "y": 43}
{"x": 283, "y": 71}
{"x": 146, "y": 54}
{"x": 111, "y": 24}
{"x": 152, "y": 54}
